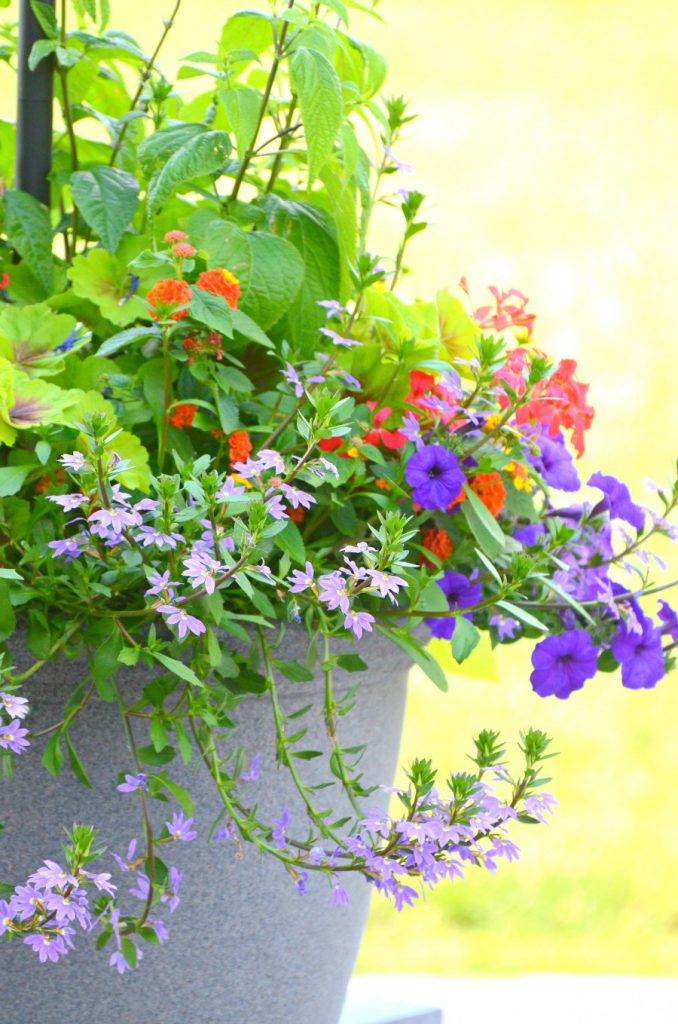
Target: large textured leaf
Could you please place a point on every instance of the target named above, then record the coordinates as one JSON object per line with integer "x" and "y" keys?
{"x": 270, "y": 269}
{"x": 318, "y": 90}
{"x": 161, "y": 144}
{"x": 29, "y": 230}
{"x": 107, "y": 198}
{"x": 241, "y": 106}
{"x": 201, "y": 155}
{"x": 312, "y": 232}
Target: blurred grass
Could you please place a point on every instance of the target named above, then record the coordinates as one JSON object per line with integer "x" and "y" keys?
{"x": 547, "y": 146}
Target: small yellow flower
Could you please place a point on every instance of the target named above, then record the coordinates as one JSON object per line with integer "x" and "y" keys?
{"x": 492, "y": 422}
{"x": 241, "y": 480}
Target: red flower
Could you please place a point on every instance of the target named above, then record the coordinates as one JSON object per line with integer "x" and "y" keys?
{"x": 491, "y": 491}
{"x": 330, "y": 444}
{"x": 4, "y": 282}
{"x": 183, "y": 415}
{"x": 175, "y": 236}
{"x": 509, "y": 310}
{"x": 166, "y": 295}
{"x": 296, "y": 514}
{"x": 438, "y": 543}
{"x": 220, "y": 282}
{"x": 391, "y": 439}
{"x": 239, "y": 446}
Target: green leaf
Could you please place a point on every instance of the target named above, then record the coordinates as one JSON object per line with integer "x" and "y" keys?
{"x": 420, "y": 656}
{"x": 178, "y": 668}
{"x": 290, "y": 540}
{"x": 202, "y": 155}
{"x": 482, "y": 524}
{"x": 520, "y": 613}
{"x": 7, "y": 616}
{"x": 160, "y": 145}
{"x": 318, "y": 90}
{"x": 432, "y": 599}
{"x": 211, "y": 310}
{"x": 41, "y": 48}
{"x": 76, "y": 764}
{"x": 465, "y": 639}
{"x": 125, "y": 338}
{"x": 46, "y": 18}
{"x": 157, "y": 758}
{"x": 241, "y": 106}
{"x": 312, "y": 232}
{"x": 294, "y": 671}
{"x": 269, "y": 269}
{"x": 181, "y": 795}
{"x": 10, "y": 574}
{"x": 244, "y": 325}
{"x": 12, "y": 478}
{"x": 351, "y": 663}
{"x": 53, "y": 757}
{"x": 29, "y": 229}
{"x": 183, "y": 742}
{"x": 107, "y": 198}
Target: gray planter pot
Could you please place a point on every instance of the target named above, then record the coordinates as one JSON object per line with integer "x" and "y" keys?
{"x": 244, "y": 947}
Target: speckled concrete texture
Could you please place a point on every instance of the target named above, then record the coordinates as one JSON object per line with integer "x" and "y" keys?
{"x": 244, "y": 947}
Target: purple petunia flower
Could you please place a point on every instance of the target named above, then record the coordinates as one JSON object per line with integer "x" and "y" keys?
{"x": 17, "y": 707}
{"x": 435, "y": 477}
{"x": 639, "y": 653}
{"x": 133, "y": 783}
{"x": 617, "y": 500}
{"x": 667, "y": 616}
{"x": 460, "y": 592}
{"x": 12, "y": 737}
{"x": 358, "y": 622}
{"x": 554, "y": 462}
{"x": 180, "y": 828}
{"x": 184, "y": 622}
{"x": 563, "y": 663}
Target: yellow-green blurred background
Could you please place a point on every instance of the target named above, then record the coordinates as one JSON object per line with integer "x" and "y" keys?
{"x": 547, "y": 145}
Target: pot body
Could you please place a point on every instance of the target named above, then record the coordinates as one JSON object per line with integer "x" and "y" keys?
{"x": 244, "y": 946}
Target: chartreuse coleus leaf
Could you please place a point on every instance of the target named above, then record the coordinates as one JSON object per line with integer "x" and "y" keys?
{"x": 28, "y": 402}
{"x": 31, "y": 335}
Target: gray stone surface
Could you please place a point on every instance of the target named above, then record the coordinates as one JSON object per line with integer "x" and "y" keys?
{"x": 244, "y": 947}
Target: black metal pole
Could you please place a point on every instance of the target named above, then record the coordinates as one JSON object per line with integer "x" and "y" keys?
{"x": 34, "y": 110}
